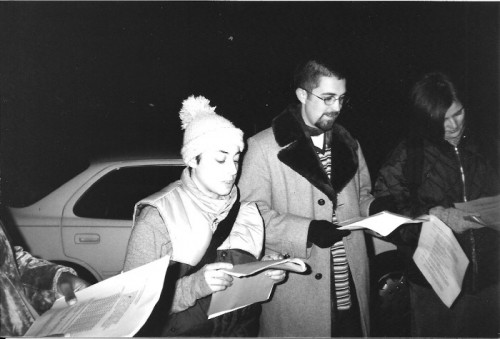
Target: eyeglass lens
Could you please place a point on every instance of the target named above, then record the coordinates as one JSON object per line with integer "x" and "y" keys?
{"x": 331, "y": 100}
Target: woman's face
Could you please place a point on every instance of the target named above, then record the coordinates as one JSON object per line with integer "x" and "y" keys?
{"x": 215, "y": 173}
{"x": 454, "y": 121}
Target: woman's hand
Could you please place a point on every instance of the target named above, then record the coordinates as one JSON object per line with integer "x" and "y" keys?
{"x": 216, "y": 279}
{"x": 276, "y": 275}
{"x": 455, "y": 218}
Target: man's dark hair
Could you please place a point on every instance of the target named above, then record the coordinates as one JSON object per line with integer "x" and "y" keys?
{"x": 307, "y": 74}
{"x": 431, "y": 97}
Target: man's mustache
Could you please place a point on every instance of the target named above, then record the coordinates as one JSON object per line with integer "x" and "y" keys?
{"x": 331, "y": 114}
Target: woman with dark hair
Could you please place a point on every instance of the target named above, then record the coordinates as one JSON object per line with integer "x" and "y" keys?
{"x": 440, "y": 163}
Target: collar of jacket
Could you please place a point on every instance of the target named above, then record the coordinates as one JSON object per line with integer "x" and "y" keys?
{"x": 298, "y": 153}
{"x": 468, "y": 143}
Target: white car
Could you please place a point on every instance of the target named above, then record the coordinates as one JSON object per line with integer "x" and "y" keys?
{"x": 86, "y": 222}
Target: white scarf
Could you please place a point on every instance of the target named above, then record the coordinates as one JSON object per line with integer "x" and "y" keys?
{"x": 216, "y": 209}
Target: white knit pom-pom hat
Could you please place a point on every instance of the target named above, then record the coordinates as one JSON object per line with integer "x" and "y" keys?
{"x": 205, "y": 129}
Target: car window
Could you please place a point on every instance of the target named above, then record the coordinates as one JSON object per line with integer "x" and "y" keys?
{"x": 24, "y": 186}
{"x": 114, "y": 195}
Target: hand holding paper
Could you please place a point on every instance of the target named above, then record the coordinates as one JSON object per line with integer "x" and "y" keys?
{"x": 115, "y": 307}
{"x": 324, "y": 234}
{"x": 455, "y": 218}
{"x": 215, "y": 276}
{"x": 277, "y": 275}
{"x": 486, "y": 211}
{"x": 250, "y": 285}
{"x": 68, "y": 284}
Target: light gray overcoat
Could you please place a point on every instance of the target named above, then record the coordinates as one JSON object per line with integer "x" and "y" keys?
{"x": 282, "y": 174}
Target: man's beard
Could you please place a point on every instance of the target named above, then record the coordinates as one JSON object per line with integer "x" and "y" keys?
{"x": 325, "y": 122}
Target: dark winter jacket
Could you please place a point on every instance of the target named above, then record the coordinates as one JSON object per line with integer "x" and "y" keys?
{"x": 420, "y": 175}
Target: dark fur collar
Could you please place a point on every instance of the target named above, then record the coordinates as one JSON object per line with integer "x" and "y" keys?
{"x": 298, "y": 153}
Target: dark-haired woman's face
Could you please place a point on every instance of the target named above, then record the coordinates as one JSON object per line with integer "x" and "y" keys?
{"x": 215, "y": 172}
{"x": 454, "y": 121}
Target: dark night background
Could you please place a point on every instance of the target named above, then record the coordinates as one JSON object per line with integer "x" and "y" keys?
{"x": 82, "y": 78}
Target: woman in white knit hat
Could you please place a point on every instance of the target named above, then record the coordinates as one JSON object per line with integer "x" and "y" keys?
{"x": 199, "y": 221}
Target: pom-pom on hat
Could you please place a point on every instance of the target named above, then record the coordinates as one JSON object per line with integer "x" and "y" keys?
{"x": 205, "y": 129}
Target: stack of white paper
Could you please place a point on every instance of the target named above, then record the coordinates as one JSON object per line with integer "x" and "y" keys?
{"x": 116, "y": 307}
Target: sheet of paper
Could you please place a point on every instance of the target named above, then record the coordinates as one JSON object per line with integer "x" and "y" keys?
{"x": 115, "y": 307}
{"x": 441, "y": 259}
{"x": 384, "y": 223}
{"x": 289, "y": 264}
{"x": 244, "y": 291}
{"x": 250, "y": 285}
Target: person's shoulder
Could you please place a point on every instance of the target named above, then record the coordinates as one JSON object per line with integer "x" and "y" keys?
{"x": 264, "y": 139}
{"x": 147, "y": 208}
{"x": 163, "y": 193}
{"x": 149, "y": 212}
{"x": 263, "y": 135}
{"x": 249, "y": 206}
{"x": 399, "y": 152}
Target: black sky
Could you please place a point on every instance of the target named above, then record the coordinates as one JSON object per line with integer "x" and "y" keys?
{"x": 81, "y": 78}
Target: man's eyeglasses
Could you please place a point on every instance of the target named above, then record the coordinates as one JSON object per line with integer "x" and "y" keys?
{"x": 330, "y": 100}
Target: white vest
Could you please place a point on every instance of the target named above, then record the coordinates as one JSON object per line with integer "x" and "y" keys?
{"x": 189, "y": 226}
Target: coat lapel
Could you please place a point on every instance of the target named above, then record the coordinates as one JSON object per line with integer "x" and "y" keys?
{"x": 344, "y": 157}
{"x": 298, "y": 153}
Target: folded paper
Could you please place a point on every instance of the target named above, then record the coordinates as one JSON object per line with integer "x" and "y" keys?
{"x": 250, "y": 284}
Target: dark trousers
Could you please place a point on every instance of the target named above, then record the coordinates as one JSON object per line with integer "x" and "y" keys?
{"x": 470, "y": 315}
{"x": 347, "y": 323}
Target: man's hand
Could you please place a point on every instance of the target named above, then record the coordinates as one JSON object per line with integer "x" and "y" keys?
{"x": 454, "y": 218}
{"x": 68, "y": 284}
{"x": 324, "y": 234}
{"x": 215, "y": 279}
{"x": 276, "y": 275}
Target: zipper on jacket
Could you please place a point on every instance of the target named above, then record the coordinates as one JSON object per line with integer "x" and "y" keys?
{"x": 471, "y": 233}
{"x": 464, "y": 195}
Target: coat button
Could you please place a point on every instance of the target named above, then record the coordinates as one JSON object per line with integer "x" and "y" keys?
{"x": 223, "y": 254}
{"x": 318, "y": 276}
{"x": 321, "y": 202}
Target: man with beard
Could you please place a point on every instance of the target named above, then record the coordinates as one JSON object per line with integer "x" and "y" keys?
{"x": 307, "y": 173}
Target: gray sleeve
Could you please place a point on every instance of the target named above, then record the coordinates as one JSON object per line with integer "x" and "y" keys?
{"x": 150, "y": 241}
{"x": 285, "y": 233}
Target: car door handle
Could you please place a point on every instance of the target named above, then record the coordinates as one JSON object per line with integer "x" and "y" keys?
{"x": 87, "y": 238}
